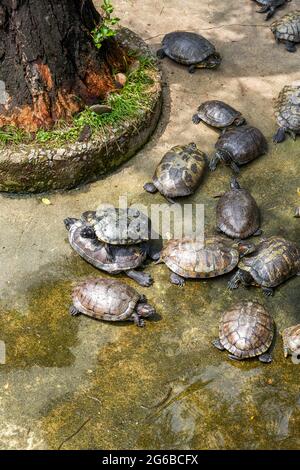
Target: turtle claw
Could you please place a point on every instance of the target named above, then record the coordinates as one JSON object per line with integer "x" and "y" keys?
{"x": 143, "y": 279}
{"x": 74, "y": 311}
{"x": 177, "y": 280}
{"x": 265, "y": 358}
{"x": 268, "y": 291}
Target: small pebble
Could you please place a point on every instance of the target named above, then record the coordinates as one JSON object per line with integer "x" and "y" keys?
{"x": 101, "y": 108}
{"x": 120, "y": 80}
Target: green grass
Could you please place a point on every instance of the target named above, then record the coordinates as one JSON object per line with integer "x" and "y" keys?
{"x": 127, "y": 104}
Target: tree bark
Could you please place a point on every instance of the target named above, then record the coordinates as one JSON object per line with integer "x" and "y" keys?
{"x": 49, "y": 65}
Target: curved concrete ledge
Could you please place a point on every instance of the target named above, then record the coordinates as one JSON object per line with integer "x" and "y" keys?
{"x": 35, "y": 168}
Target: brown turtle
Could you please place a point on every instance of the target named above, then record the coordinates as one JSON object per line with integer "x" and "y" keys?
{"x": 110, "y": 300}
{"x": 188, "y": 258}
{"x": 287, "y": 112}
{"x": 239, "y": 146}
{"x": 218, "y": 114}
{"x": 287, "y": 30}
{"x": 121, "y": 258}
{"x": 246, "y": 330}
{"x": 291, "y": 340}
{"x": 179, "y": 172}
{"x": 274, "y": 261}
{"x": 237, "y": 213}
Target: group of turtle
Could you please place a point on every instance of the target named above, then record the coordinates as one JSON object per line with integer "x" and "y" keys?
{"x": 120, "y": 240}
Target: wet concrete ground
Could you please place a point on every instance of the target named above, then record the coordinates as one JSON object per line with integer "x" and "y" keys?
{"x": 74, "y": 383}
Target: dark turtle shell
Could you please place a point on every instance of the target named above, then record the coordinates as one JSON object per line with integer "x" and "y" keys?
{"x": 242, "y": 144}
{"x": 291, "y": 340}
{"x": 195, "y": 259}
{"x": 218, "y": 114}
{"x": 121, "y": 226}
{"x": 123, "y": 258}
{"x": 287, "y": 108}
{"x": 246, "y": 330}
{"x": 187, "y": 48}
{"x": 274, "y": 261}
{"x": 237, "y": 213}
{"x": 180, "y": 171}
{"x": 105, "y": 299}
{"x": 287, "y": 28}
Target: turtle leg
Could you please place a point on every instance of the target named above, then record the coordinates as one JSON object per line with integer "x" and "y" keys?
{"x": 161, "y": 54}
{"x": 138, "y": 321}
{"x": 192, "y": 68}
{"x": 74, "y": 311}
{"x": 279, "y": 136}
{"x": 217, "y": 344}
{"x": 258, "y": 233}
{"x": 292, "y": 134}
{"x": 290, "y": 46}
{"x": 196, "y": 118}
{"x": 234, "y": 167}
{"x": 150, "y": 188}
{"x": 143, "y": 279}
{"x": 270, "y": 13}
{"x": 240, "y": 277}
{"x": 177, "y": 280}
{"x": 234, "y": 358}
{"x": 266, "y": 358}
{"x": 268, "y": 291}
{"x": 214, "y": 162}
{"x": 109, "y": 252}
{"x": 170, "y": 200}
{"x": 263, "y": 9}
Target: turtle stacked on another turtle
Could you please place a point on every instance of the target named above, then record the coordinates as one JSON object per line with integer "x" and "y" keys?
{"x": 270, "y": 6}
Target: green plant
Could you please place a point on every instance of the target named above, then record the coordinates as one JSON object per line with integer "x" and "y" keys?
{"x": 104, "y": 30}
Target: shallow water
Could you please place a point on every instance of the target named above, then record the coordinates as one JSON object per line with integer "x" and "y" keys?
{"x": 78, "y": 383}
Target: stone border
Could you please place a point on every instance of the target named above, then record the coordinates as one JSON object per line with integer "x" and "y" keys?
{"x": 34, "y": 168}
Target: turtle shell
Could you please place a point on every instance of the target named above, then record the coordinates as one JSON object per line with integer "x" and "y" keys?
{"x": 274, "y": 261}
{"x": 238, "y": 214}
{"x": 180, "y": 171}
{"x": 243, "y": 144}
{"x": 291, "y": 339}
{"x": 287, "y": 108}
{"x": 218, "y": 114}
{"x": 94, "y": 252}
{"x": 121, "y": 226}
{"x": 287, "y": 28}
{"x": 246, "y": 330}
{"x": 105, "y": 299}
{"x": 187, "y": 48}
{"x": 194, "y": 259}
{"x": 271, "y": 3}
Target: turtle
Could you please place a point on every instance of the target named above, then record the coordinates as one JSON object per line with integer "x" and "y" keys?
{"x": 195, "y": 259}
{"x": 246, "y": 330}
{"x": 291, "y": 340}
{"x": 270, "y": 6}
{"x": 274, "y": 261}
{"x": 218, "y": 114}
{"x": 287, "y": 112}
{"x": 110, "y": 300}
{"x": 287, "y": 30}
{"x": 238, "y": 215}
{"x": 122, "y": 258}
{"x": 190, "y": 49}
{"x": 116, "y": 226}
{"x": 239, "y": 146}
{"x": 179, "y": 172}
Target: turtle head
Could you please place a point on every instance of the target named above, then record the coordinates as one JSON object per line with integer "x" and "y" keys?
{"x": 192, "y": 146}
{"x": 245, "y": 248}
{"x": 89, "y": 217}
{"x": 234, "y": 184}
{"x": 69, "y": 222}
{"x": 145, "y": 310}
{"x": 213, "y": 61}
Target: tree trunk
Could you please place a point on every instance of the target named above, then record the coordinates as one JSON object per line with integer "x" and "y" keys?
{"x": 49, "y": 66}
